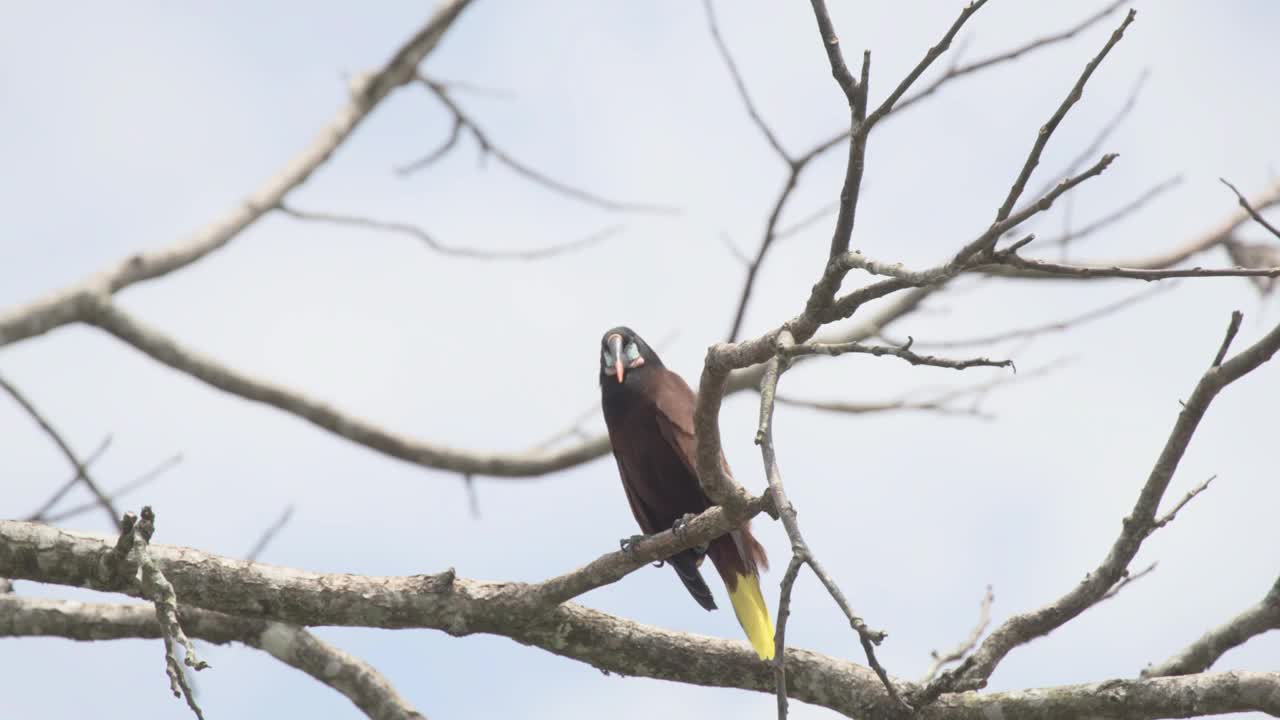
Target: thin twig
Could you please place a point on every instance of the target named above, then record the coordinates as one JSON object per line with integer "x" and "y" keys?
{"x": 1116, "y": 215}
{"x": 1249, "y": 209}
{"x": 270, "y": 533}
{"x": 741, "y": 85}
{"x": 487, "y": 146}
{"x": 1104, "y": 133}
{"x": 39, "y": 514}
{"x": 960, "y": 70}
{"x": 119, "y": 493}
{"x": 902, "y": 352}
{"x": 418, "y": 233}
{"x": 1191, "y": 494}
{"x": 1046, "y": 131}
{"x": 1045, "y": 328}
{"x": 81, "y": 470}
{"x": 1233, "y": 327}
{"x": 1127, "y": 579}
{"x": 956, "y": 654}
{"x": 1047, "y": 269}
{"x": 800, "y": 549}
{"x": 807, "y": 220}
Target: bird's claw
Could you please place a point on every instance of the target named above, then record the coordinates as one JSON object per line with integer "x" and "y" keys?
{"x": 680, "y": 528}
{"x": 628, "y": 545}
{"x": 628, "y": 548}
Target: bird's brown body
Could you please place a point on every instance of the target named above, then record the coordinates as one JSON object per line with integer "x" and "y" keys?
{"x": 649, "y": 412}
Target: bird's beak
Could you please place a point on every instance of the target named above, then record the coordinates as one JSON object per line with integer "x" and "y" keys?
{"x": 615, "y": 344}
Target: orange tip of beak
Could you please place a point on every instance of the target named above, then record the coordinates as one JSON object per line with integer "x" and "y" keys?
{"x": 617, "y": 369}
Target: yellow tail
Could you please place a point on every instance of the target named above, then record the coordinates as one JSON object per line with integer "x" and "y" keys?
{"x": 753, "y": 615}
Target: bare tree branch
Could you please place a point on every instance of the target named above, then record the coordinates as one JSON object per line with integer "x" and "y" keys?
{"x": 800, "y": 552}
{"x": 1218, "y": 235}
{"x": 891, "y": 106}
{"x": 1044, "y": 328}
{"x": 1140, "y": 523}
{"x": 40, "y": 512}
{"x": 538, "y": 253}
{"x": 70, "y": 304}
{"x": 1127, "y": 578}
{"x": 80, "y": 468}
{"x": 117, "y": 494}
{"x": 956, "y": 654}
{"x": 1091, "y": 150}
{"x": 1120, "y": 213}
{"x": 1257, "y": 217}
{"x": 1203, "y": 653}
{"x": 1042, "y": 138}
{"x": 163, "y": 349}
{"x": 463, "y": 121}
{"x": 464, "y": 607}
{"x": 940, "y": 402}
{"x": 1046, "y": 269}
{"x": 741, "y": 85}
{"x": 957, "y": 71}
{"x": 902, "y": 351}
{"x": 270, "y": 533}
{"x": 362, "y": 684}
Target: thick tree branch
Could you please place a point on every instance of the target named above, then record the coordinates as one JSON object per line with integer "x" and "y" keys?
{"x": 362, "y": 684}
{"x": 71, "y": 304}
{"x": 462, "y": 607}
{"x": 165, "y": 350}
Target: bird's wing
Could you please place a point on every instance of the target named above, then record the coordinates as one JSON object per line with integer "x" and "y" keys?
{"x": 686, "y": 562}
{"x": 675, "y": 403}
{"x": 638, "y": 509}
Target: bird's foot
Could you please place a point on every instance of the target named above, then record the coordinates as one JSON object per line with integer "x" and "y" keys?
{"x": 628, "y": 548}
{"x": 680, "y": 528}
{"x": 628, "y": 544}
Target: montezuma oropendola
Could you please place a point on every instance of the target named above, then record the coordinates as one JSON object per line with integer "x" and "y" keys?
{"x": 649, "y": 411}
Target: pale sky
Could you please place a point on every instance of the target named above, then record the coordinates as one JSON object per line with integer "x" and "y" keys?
{"x": 130, "y": 126}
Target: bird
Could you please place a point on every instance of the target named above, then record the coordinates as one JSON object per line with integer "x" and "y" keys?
{"x": 649, "y": 412}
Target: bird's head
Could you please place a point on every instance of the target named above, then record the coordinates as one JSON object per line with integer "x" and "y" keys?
{"x": 622, "y": 353}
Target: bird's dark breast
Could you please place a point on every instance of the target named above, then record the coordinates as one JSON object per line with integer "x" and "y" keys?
{"x": 658, "y": 480}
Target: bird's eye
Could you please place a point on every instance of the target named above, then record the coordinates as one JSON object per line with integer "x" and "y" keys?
{"x": 632, "y": 351}
{"x": 608, "y": 357}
